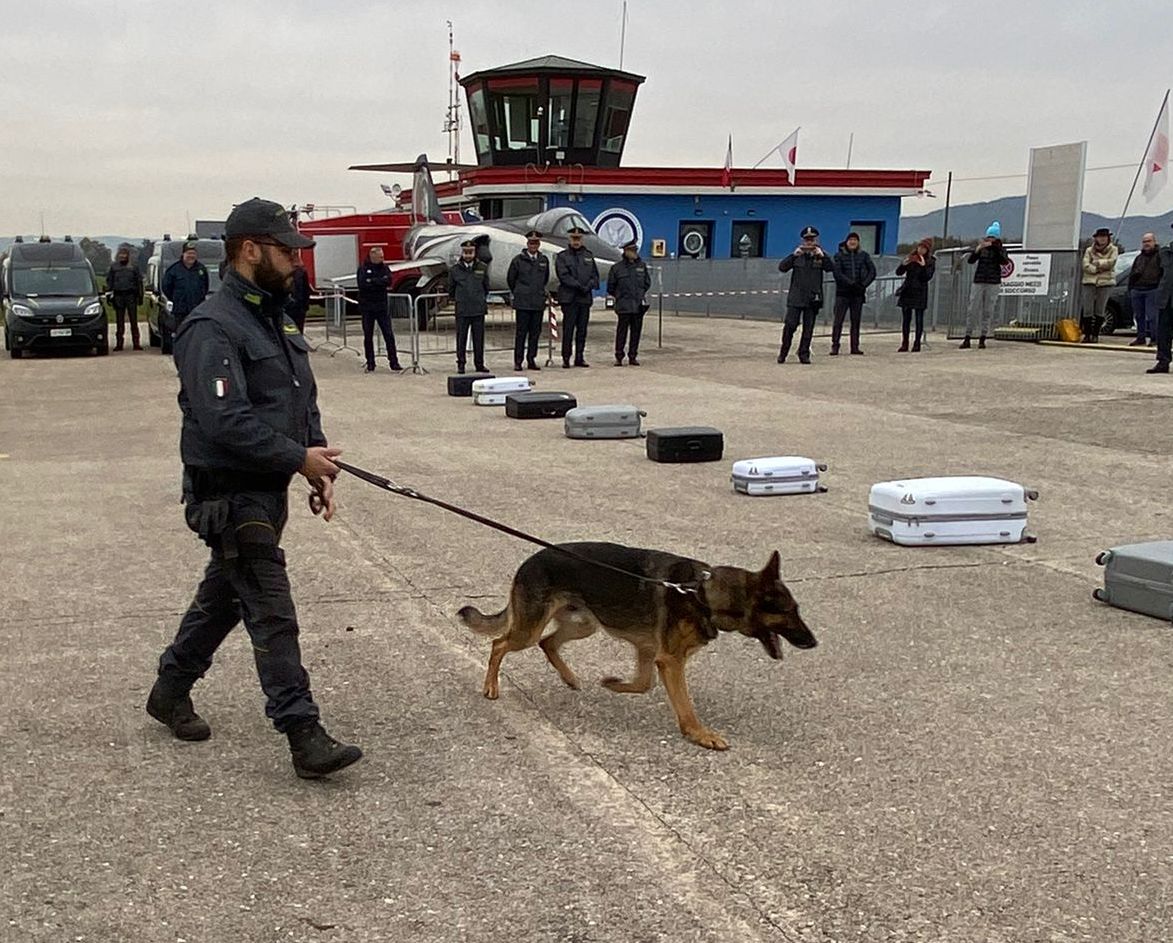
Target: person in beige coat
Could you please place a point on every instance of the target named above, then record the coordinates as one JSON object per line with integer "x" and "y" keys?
{"x": 1099, "y": 275}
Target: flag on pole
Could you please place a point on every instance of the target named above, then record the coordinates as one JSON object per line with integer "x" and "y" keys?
{"x": 727, "y": 172}
{"x": 789, "y": 151}
{"x": 1157, "y": 158}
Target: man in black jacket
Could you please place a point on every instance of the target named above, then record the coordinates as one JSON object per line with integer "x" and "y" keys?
{"x": 989, "y": 257}
{"x": 804, "y": 299}
{"x": 250, "y": 423}
{"x": 628, "y": 282}
{"x": 1143, "y": 279}
{"x": 468, "y": 283}
{"x": 298, "y": 304}
{"x": 185, "y": 285}
{"x": 125, "y": 284}
{"x": 578, "y": 276}
{"x": 374, "y": 278}
{"x": 528, "y": 275}
{"x": 1164, "y": 313}
{"x": 854, "y": 271}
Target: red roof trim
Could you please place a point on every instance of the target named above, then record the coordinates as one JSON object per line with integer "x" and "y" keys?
{"x": 653, "y": 177}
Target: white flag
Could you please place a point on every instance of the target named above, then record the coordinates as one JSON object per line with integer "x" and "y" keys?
{"x": 1157, "y": 159}
{"x": 789, "y": 151}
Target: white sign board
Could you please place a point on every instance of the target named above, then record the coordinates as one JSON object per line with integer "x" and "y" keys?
{"x": 1054, "y": 196}
{"x": 1029, "y": 273}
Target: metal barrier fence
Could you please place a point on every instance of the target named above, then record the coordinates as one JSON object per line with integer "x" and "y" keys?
{"x": 754, "y": 289}
{"x": 1058, "y": 298}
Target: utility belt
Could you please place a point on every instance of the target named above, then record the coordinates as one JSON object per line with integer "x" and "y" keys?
{"x": 237, "y": 514}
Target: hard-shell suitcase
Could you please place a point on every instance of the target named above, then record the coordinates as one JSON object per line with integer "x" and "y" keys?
{"x": 460, "y": 384}
{"x": 1139, "y": 578}
{"x": 779, "y": 474}
{"x": 686, "y": 444}
{"x": 545, "y": 405}
{"x": 952, "y": 510}
{"x": 492, "y": 392}
{"x": 604, "y": 422}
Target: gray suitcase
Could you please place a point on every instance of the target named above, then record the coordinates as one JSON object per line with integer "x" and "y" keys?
{"x": 1139, "y": 578}
{"x": 603, "y": 422}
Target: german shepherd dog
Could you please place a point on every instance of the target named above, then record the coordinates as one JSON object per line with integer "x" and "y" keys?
{"x": 665, "y": 624}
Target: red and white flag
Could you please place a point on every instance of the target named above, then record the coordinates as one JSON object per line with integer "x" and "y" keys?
{"x": 789, "y": 151}
{"x": 1156, "y": 160}
{"x": 727, "y": 172}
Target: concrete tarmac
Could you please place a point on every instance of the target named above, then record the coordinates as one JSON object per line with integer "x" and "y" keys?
{"x": 976, "y": 752}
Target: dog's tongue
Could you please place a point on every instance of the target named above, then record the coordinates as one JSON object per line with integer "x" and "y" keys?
{"x": 770, "y": 642}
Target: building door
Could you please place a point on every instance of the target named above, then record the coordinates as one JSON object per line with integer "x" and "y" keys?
{"x": 695, "y": 239}
{"x": 749, "y": 239}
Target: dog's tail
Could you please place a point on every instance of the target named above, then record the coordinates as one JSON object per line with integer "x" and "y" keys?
{"x": 482, "y": 624}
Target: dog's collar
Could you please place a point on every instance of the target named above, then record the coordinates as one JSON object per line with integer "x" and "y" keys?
{"x": 693, "y": 587}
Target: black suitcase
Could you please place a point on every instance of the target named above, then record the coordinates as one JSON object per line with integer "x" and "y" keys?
{"x": 546, "y": 405}
{"x": 460, "y": 384}
{"x": 685, "y": 444}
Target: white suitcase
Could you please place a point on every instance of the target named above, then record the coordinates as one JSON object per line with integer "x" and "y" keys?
{"x": 492, "y": 392}
{"x": 778, "y": 474}
{"x": 952, "y": 510}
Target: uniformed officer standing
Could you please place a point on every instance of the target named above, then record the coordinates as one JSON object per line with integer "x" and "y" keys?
{"x": 125, "y": 284}
{"x": 468, "y": 283}
{"x": 628, "y": 282}
{"x": 528, "y": 275}
{"x": 374, "y": 278}
{"x": 185, "y": 285}
{"x": 808, "y": 263}
{"x": 578, "y": 276}
{"x": 250, "y": 422}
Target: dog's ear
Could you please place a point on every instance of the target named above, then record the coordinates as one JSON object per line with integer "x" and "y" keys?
{"x": 773, "y": 570}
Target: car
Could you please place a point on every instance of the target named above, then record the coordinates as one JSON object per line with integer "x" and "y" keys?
{"x": 167, "y": 253}
{"x": 50, "y": 299}
{"x": 1118, "y": 314}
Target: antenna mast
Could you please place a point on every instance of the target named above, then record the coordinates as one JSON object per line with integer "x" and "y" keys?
{"x": 452, "y": 121}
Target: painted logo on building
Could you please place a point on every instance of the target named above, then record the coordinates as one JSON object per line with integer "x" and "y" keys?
{"x": 618, "y": 226}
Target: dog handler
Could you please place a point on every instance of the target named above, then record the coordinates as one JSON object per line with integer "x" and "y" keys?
{"x": 250, "y": 422}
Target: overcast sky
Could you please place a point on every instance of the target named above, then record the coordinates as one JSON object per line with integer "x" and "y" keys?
{"x": 127, "y": 118}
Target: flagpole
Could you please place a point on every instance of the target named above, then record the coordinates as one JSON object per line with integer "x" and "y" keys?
{"x": 1140, "y": 166}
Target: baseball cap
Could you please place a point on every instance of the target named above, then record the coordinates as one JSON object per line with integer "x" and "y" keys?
{"x": 257, "y": 217}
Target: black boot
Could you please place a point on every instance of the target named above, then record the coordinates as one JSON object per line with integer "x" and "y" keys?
{"x": 903, "y": 348}
{"x": 916, "y": 345}
{"x": 982, "y": 342}
{"x": 175, "y": 711}
{"x": 533, "y": 365}
{"x": 1158, "y": 367}
{"x": 964, "y": 345}
{"x": 316, "y": 754}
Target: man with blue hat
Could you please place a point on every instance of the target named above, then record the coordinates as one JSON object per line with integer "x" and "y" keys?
{"x": 804, "y": 298}
{"x": 989, "y": 257}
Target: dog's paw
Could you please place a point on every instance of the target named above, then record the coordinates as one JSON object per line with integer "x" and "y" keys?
{"x": 572, "y": 682}
{"x": 709, "y": 739}
{"x": 490, "y": 690}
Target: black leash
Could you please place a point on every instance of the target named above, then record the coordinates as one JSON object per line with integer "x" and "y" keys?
{"x": 388, "y": 485}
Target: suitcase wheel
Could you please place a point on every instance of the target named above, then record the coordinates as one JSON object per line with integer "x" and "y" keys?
{"x": 1098, "y": 595}
{"x": 1103, "y": 557}
{"x": 1029, "y": 539}
{"x": 822, "y": 466}
{"x": 821, "y": 489}
{"x": 1032, "y": 495}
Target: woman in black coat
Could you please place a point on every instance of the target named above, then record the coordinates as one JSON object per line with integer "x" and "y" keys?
{"x": 917, "y": 270}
